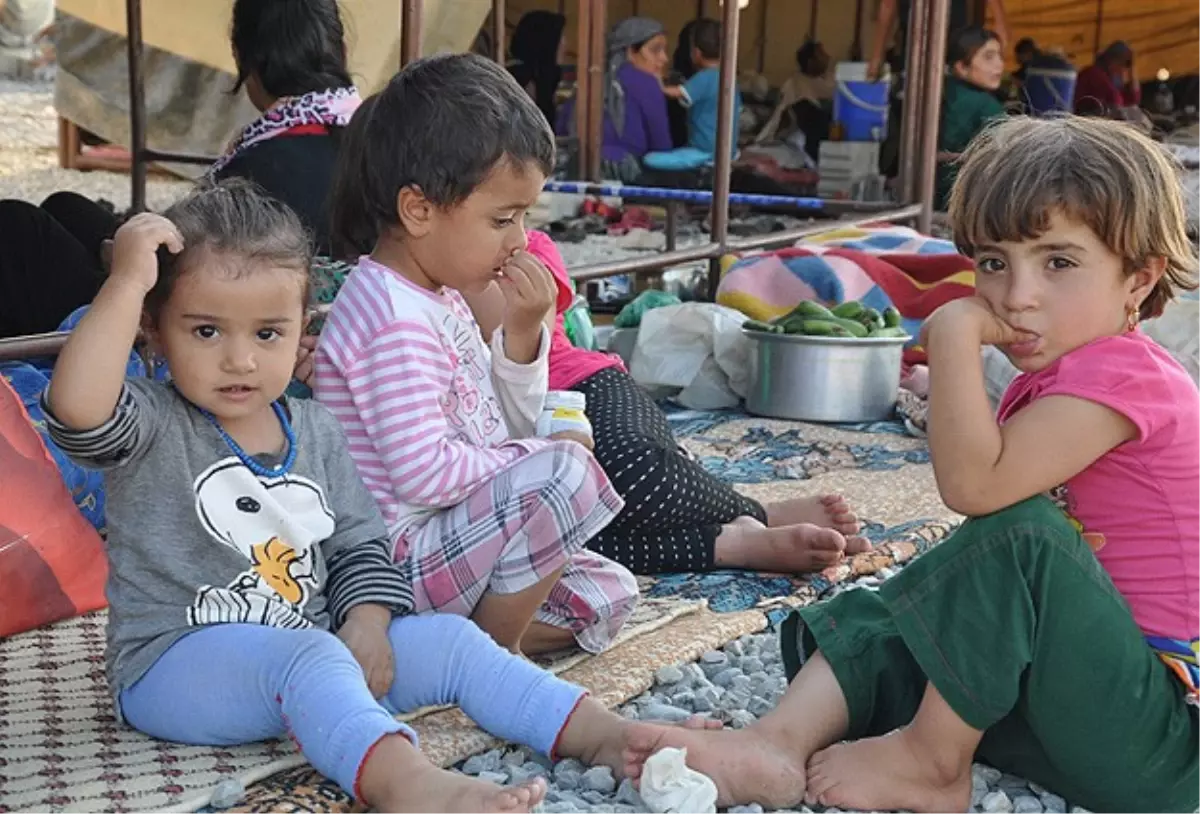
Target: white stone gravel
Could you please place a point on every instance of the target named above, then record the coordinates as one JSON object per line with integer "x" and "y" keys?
{"x": 735, "y": 685}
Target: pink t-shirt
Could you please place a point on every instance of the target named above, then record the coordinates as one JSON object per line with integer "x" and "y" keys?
{"x": 1142, "y": 495}
{"x": 569, "y": 365}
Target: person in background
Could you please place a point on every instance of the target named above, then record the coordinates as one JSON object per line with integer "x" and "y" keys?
{"x": 291, "y": 61}
{"x": 635, "y": 108}
{"x": 1109, "y": 84}
{"x": 535, "y": 57}
{"x": 899, "y": 11}
{"x": 682, "y": 69}
{"x": 969, "y": 100}
{"x": 1025, "y": 52}
{"x": 701, "y": 93}
{"x": 805, "y": 98}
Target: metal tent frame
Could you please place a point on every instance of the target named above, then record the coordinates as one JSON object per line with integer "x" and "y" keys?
{"x": 925, "y": 54}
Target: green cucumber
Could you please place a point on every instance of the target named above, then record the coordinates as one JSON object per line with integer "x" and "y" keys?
{"x": 851, "y": 309}
{"x": 871, "y": 318}
{"x": 852, "y": 327}
{"x": 811, "y": 308}
{"x": 762, "y": 327}
{"x": 891, "y": 317}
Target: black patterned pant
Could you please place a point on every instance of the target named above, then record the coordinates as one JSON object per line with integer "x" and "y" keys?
{"x": 674, "y": 509}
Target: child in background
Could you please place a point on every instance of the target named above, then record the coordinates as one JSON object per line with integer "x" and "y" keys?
{"x": 1054, "y": 637}
{"x": 700, "y": 95}
{"x": 240, "y": 534}
{"x": 487, "y": 521}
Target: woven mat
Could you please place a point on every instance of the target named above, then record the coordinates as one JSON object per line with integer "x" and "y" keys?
{"x": 61, "y": 749}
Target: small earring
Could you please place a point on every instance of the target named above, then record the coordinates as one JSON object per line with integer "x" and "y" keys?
{"x": 1131, "y": 318}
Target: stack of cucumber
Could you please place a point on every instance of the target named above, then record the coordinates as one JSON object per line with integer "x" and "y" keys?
{"x": 851, "y": 319}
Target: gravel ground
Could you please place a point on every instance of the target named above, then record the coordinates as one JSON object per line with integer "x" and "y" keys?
{"x": 735, "y": 685}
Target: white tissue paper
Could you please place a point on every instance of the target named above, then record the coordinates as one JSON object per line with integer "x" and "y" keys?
{"x": 669, "y": 786}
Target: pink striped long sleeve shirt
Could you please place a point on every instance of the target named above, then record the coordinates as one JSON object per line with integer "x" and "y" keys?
{"x": 427, "y": 410}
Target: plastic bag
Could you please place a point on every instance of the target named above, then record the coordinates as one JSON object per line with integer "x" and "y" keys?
{"x": 698, "y": 347}
{"x": 631, "y": 315}
{"x": 52, "y": 563}
{"x": 669, "y": 785}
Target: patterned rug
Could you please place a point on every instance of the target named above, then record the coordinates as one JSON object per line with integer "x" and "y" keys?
{"x": 61, "y": 749}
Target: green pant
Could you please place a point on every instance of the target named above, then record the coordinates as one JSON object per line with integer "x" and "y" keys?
{"x": 1020, "y": 629}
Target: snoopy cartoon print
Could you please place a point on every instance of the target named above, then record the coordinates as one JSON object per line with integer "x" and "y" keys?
{"x": 273, "y": 523}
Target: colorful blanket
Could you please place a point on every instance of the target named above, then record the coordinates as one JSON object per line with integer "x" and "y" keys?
{"x": 881, "y": 267}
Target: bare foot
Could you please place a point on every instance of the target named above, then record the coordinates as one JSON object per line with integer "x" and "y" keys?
{"x": 799, "y": 549}
{"x": 397, "y": 777}
{"x": 830, "y": 511}
{"x": 887, "y": 773}
{"x": 746, "y": 767}
{"x": 597, "y": 736}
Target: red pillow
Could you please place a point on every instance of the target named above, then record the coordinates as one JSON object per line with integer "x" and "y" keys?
{"x": 52, "y": 563}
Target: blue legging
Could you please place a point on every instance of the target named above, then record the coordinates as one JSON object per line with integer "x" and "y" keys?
{"x": 231, "y": 684}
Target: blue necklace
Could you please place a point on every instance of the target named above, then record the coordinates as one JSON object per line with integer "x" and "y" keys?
{"x": 248, "y": 460}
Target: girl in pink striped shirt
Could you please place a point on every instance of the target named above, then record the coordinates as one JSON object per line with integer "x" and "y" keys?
{"x": 487, "y": 521}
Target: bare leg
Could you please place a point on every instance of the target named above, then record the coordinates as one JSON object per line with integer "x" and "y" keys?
{"x": 764, "y": 763}
{"x": 506, "y": 617}
{"x": 543, "y": 638}
{"x": 799, "y": 549}
{"x": 397, "y": 777}
{"x": 926, "y": 766}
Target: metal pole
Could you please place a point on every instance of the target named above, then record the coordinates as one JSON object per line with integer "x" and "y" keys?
{"x": 498, "y": 30}
{"x": 137, "y": 105}
{"x": 939, "y": 15}
{"x": 410, "y": 30}
{"x": 726, "y": 135}
{"x": 910, "y": 114}
{"x": 583, "y": 87}
{"x": 812, "y": 18}
{"x": 762, "y": 35}
{"x": 597, "y": 59}
{"x": 672, "y": 225}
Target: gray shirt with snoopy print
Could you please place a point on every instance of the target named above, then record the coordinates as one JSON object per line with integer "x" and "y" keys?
{"x": 196, "y": 538}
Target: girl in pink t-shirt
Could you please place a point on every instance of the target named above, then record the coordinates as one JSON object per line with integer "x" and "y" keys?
{"x": 1054, "y": 635}
{"x": 677, "y": 516}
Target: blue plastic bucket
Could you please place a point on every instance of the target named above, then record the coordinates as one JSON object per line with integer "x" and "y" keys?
{"x": 1050, "y": 90}
{"x": 862, "y": 109}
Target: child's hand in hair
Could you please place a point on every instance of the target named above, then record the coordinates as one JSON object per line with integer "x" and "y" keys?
{"x": 135, "y": 249}
{"x": 365, "y": 632}
{"x": 529, "y": 294}
{"x": 970, "y": 319}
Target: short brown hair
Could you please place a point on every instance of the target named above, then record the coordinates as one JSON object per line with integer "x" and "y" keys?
{"x": 1106, "y": 174}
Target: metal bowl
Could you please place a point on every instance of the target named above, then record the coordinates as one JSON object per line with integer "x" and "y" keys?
{"x": 822, "y": 378}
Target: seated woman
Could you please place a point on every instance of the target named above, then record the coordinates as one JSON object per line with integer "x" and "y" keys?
{"x": 291, "y": 59}
{"x": 969, "y": 100}
{"x": 536, "y": 55}
{"x": 805, "y": 100}
{"x": 1108, "y": 85}
{"x": 635, "y": 108}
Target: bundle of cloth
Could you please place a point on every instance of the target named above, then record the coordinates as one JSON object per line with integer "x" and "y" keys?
{"x": 878, "y": 266}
